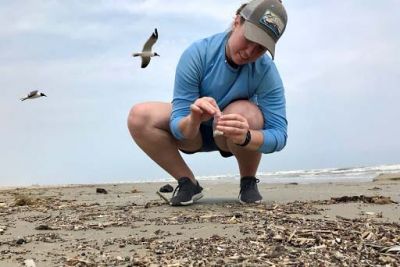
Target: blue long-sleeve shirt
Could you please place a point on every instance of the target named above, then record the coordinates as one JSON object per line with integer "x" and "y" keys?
{"x": 203, "y": 71}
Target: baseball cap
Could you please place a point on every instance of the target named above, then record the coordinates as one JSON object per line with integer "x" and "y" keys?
{"x": 265, "y": 22}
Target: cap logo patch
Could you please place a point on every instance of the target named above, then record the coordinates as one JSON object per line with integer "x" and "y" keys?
{"x": 273, "y": 23}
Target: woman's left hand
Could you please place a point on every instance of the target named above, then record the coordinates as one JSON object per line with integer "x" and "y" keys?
{"x": 234, "y": 127}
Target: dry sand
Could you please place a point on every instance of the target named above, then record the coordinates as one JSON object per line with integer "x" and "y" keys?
{"x": 297, "y": 225}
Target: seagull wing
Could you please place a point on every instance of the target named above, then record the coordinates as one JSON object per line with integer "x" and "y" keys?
{"x": 152, "y": 39}
{"x": 32, "y": 93}
{"x": 145, "y": 61}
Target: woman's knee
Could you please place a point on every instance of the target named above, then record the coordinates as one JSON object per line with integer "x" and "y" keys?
{"x": 137, "y": 117}
{"x": 144, "y": 118}
{"x": 247, "y": 109}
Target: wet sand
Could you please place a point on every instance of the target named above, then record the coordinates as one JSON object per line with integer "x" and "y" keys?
{"x": 297, "y": 224}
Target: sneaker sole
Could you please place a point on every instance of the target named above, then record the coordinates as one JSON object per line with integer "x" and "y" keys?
{"x": 255, "y": 202}
{"x": 194, "y": 198}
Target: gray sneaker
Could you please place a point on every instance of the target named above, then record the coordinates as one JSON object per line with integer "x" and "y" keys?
{"x": 186, "y": 192}
{"x": 249, "y": 191}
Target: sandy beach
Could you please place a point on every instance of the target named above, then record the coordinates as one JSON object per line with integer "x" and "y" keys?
{"x": 131, "y": 225}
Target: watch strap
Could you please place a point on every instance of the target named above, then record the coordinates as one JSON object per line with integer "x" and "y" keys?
{"x": 247, "y": 140}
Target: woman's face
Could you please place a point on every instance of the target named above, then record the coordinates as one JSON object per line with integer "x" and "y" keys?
{"x": 239, "y": 49}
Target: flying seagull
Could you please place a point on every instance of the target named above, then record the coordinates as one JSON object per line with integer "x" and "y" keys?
{"x": 146, "y": 53}
{"x": 33, "y": 94}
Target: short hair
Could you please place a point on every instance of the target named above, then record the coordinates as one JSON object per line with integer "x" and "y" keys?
{"x": 240, "y": 10}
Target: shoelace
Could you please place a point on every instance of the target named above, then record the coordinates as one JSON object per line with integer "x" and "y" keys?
{"x": 178, "y": 187}
{"x": 250, "y": 183}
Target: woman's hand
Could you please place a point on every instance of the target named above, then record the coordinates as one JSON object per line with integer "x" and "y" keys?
{"x": 203, "y": 109}
{"x": 234, "y": 127}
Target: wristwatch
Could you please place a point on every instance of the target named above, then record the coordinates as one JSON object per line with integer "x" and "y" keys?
{"x": 247, "y": 140}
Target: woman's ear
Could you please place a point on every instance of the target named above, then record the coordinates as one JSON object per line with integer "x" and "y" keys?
{"x": 236, "y": 22}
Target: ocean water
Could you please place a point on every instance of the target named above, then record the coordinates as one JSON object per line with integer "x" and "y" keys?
{"x": 334, "y": 175}
{"x": 352, "y": 174}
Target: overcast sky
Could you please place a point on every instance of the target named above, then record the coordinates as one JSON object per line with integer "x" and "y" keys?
{"x": 339, "y": 61}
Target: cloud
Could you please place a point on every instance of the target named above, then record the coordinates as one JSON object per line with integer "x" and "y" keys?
{"x": 207, "y": 9}
{"x": 84, "y": 20}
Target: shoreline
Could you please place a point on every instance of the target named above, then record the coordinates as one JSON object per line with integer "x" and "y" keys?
{"x": 282, "y": 177}
{"x": 171, "y": 181}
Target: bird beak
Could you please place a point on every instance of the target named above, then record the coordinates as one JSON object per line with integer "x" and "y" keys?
{"x": 44, "y": 95}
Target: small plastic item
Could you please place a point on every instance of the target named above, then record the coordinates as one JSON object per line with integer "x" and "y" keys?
{"x": 216, "y": 119}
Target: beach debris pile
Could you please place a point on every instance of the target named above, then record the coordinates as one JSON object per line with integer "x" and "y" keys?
{"x": 130, "y": 231}
{"x": 365, "y": 199}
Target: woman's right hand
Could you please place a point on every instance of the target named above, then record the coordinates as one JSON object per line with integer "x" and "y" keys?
{"x": 203, "y": 109}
